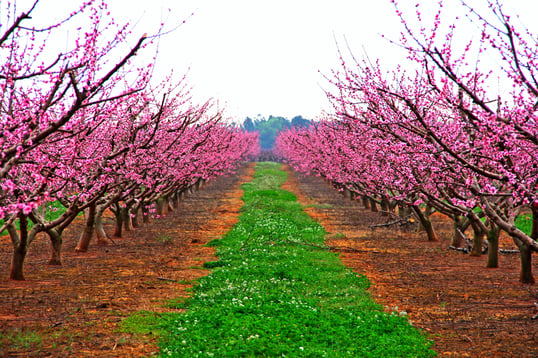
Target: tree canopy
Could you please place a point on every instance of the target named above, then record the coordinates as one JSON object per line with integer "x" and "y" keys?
{"x": 269, "y": 128}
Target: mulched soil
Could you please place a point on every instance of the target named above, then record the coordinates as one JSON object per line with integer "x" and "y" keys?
{"x": 467, "y": 309}
{"x": 74, "y": 309}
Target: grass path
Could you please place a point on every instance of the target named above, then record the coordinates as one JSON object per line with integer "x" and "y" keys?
{"x": 273, "y": 294}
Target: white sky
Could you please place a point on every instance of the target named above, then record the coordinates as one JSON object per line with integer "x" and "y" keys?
{"x": 267, "y": 56}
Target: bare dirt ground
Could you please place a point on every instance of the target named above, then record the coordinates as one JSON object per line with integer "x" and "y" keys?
{"x": 74, "y": 310}
{"x": 467, "y": 309}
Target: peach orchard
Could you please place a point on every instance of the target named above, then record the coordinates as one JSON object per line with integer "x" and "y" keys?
{"x": 86, "y": 128}
{"x": 431, "y": 134}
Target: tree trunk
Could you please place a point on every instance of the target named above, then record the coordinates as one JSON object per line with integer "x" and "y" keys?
{"x": 127, "y": 219}
{"x": 56, "y": 247}
{"x": 159, "y": 207}
{"x": 198, "y": 184}
{"x": 169, "y": 205}
{"x": 525, "y": 251}
{"x": 457, "y": 239}
{"x": 20, "y": 245}
{"x": 525, "y": 275}
{"x": 87, "y": 232}
{"x": 460, "y": 226}
{"x": 177, "y": 199}
{"x": 118, "y": 228}
{"x": 403, "y": 211}
{"x": 365, "y": 202}
{"x": 392, "y": 206}
{"x": 373, "y": 205}
{"x": 493, "y": 246}
{"x": 120, "y": 214}
{"x": 478, "y": 240}
{"x": 17, "y": 263}
{"x": 384, "y": 207}
{"x": 100, "y": 232}
{"x": 426, "y": 223}
{"x": 135, "y": 216}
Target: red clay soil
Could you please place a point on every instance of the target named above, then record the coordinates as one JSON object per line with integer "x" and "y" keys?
{"x": 465, "y": 308}
{"x": 74, "y": 310}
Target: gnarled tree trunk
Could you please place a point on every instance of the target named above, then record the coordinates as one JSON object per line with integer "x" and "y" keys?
{"x": 89, "y": 226}
{"x": 169, "y": 204}
{"x": 493, "y": 245}
{"x": 384, "y": 207}
{"x": 425, "y": 222}
{"x": 102, "y": 236}
{"x": 177, "y": 199}
{"x": 127, "y": 219}
{"x": 135, "y": 215}
{"x": 403, "y": 211}
{"x": 21, "y": 242}
{"x": 478, "y": 239}
{"x": 160, "y": 207}
{"x": 365, "y": 202}
{"x": 56, "y": 242}
{"x": 20, "y": 248}
{"x": 525, "y": 251}
{"x": 119, "y": 215}
{"x": 525, "y": 275}
{"x": 458, "y": 240}
{"x": 373, "y": 205}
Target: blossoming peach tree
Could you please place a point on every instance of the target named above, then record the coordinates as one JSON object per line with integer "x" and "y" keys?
{"x": 84, "y": 128}
{"x": 434, "y": 133}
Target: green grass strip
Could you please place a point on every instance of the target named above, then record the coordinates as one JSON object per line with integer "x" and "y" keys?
{"x": 273, "y": 294}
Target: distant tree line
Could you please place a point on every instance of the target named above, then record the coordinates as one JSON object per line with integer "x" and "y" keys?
{"x": 269, "y": 128}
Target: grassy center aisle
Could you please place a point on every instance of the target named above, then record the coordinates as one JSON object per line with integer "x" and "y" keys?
{"x": 274, "y": 293}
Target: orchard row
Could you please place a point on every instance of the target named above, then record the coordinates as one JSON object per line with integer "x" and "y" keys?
{"x": 84, "y": 130}
{"x": 429, "y": 135}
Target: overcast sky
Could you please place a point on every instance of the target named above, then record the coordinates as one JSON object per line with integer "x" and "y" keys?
{"x": 268, "y": 57}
